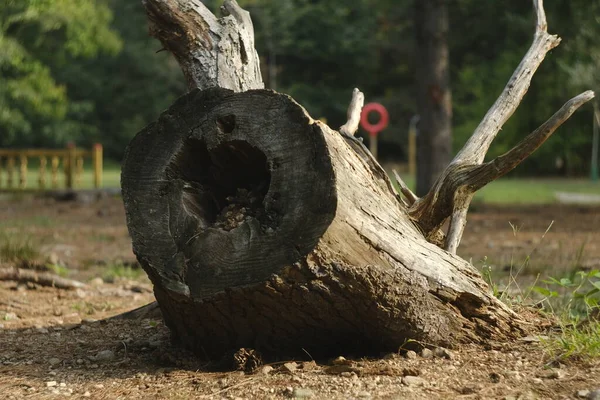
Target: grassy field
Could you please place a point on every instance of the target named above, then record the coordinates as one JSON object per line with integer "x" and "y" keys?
{"x": 528, "y": 190}
{"x": 503, "y": 191}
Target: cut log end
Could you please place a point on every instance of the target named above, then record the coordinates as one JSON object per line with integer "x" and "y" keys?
{"x": 239, "y": 194}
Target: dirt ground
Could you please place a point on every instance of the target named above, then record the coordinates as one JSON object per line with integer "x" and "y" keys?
{"x": 56, "y": 343}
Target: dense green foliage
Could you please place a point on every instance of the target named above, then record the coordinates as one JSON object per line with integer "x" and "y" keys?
{"x": 86, "y": 70}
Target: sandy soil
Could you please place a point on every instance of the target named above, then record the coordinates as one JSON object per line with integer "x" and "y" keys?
{"x": 56, "y": 343}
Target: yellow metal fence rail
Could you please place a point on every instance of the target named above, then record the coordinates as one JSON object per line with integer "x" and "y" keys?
{"x": 70, "y": 159}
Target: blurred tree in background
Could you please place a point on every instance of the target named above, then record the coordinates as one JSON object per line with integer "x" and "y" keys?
{"x": 86, "y": 70}
{"x": 38, "y": 38}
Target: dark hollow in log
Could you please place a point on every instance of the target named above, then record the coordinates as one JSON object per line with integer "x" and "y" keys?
{"x": 263, "y": 228}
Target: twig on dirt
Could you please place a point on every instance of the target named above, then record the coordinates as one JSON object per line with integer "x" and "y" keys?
{"x": 236, "y": 385}
{"x": 40, "y": 278}
{"x": 308, "y": 354}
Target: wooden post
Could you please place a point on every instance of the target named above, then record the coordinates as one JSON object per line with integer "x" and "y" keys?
{"x": 22, "y": 171}
{"x": 70, "y": 161}
{"x": 54, "y": 171}
{"x": 10, "y": 169}
{"x": 42, "y": 177}
{"x": 595, "y": 140}
{"x": 412, "y": 146}
{"x": 97, "y": 162}
{"x": 373, "y": 145}
{"x": 78, "y": 170}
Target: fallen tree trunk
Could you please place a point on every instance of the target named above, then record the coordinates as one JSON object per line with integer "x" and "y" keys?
{"x": 261, "y": 227}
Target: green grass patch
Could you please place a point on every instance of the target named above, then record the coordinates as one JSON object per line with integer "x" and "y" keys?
{"x": 57, "y": 269}
{"x": 111, "y": 178}
{"x": 533, "y": 191}
{"x": 575, "y": 301}
{"x": 17, "y": 248}
{"x": 36, "y": 220}
{"x": 88, "y": 308}
{"x": 120, "y": 271}
{"x": 575, "y": 341}
{"x": 525, "y": 190}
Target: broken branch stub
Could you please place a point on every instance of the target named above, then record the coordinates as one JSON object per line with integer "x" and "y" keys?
{"x": 452, "y": 193}
{"x": 212, "y": 52}
{"x": 354, "y": 110}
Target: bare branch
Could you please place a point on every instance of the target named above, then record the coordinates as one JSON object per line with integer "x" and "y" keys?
{"x": 541, "y": 23}
{"x": 410, "y": 196}
{"x": 458, "y": 221}
{"x": 501, "y": 165}
{"x": 477, "y": 146}
{"x": 354, "y": 110}
{"x": 40, "y": 278}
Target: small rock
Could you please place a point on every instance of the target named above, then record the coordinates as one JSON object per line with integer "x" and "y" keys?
{"x": 266, "y": 370}
{"x": 495, "y": 377}
{"x": 411, "y": 355}
{"x": 54, "y": 361}
{"x": 594, "y": 395}
{"x": 62, "y": 384}
{"x": 99, "y": 386}
{"x": 87, "y": 394}
{"x": 341, "y": 361}
{"x": 443, "y": 353}
{"x": 363, "y": 395}
{"x": 155, "y": 341}
{"x": 302, "y": 393}
{"x": 552, "y": 374}
{"x": 10, "y": 316}
{"x": 513, "y": 374}
{"x": 97, "y": 282}
{"x": 105, "y": 355}
{"x": 289, "y": 367}
{"x": 413, "y": 381}
{"x": 308, "y": 365}
{"x": 79, "y": 361}
{"x": 41, "y": 330}
{"x": 53, "y": 258}
{"x": 408, "y": 371}
{"x": 583, "y": 394}
{"x": 469, "y": 389}
{"x": 426, "y": 353}
{"x": 537, "y": 381}
{"x": 528, "y": 396}
{"x": 51, "y": 383}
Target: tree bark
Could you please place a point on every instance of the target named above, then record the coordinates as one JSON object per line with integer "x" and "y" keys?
{"x": 434, "y": 103}
{"x": 263, "y": 228}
